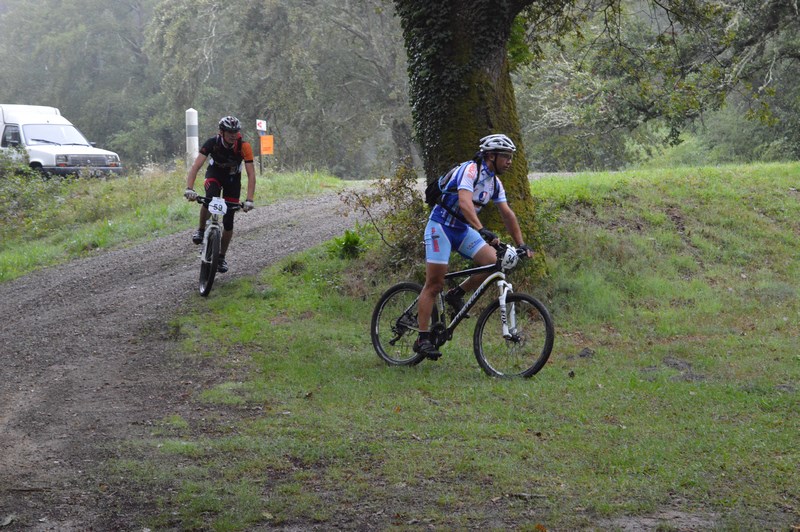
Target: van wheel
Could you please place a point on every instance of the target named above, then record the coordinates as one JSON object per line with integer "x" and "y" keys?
{"x": 39, "y": 170}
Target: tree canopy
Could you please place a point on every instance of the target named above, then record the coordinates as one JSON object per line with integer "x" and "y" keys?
{"x": 579, "y": 83}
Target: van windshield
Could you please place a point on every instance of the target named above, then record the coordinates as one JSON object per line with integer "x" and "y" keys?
{"x": 53, "y": 134}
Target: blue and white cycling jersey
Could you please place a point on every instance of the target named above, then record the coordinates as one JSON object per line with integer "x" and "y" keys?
{"x": 485, "y": 187}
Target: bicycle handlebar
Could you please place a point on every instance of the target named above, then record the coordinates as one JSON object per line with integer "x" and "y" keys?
{"x": 501, "y": 251}
{"x": 501, "y": 248}
{"x": 232, "y": 204}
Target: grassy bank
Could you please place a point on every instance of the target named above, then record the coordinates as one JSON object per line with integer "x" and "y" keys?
{"x": 670, "y": 400}
{"x": 49, "y": 221}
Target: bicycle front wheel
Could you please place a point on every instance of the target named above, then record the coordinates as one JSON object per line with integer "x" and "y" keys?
{"x": 209, "y": 261}
{"x": 394, "y": 326}
{"x": 529, "y": 343}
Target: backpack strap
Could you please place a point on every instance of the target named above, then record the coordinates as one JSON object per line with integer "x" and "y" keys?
{"x": 454, "y": 214}
{"x": 450, "y": 211}
{"x": 478, "y": 161}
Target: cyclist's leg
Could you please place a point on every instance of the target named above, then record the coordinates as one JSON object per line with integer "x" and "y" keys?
{"x": 434, "y": 281}
{"x": 227, "y": 231}
{"x": 231, "y": 191}
{"x": 437, "y": 258}
{"x": 474, "y": 247}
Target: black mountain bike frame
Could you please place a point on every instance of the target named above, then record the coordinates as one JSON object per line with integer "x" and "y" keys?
{"x": 459, "y": 317}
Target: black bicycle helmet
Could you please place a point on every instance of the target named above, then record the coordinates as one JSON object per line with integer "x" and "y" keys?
{"x": 230, "y": 123}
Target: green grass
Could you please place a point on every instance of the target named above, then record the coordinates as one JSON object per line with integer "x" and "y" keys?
{"x": 674, "y": 383}
{"x": 51, "y": 221}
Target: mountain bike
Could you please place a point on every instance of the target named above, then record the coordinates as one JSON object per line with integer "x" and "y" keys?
{"x": 513, "y": 334}
{"x": 212, "y": 241}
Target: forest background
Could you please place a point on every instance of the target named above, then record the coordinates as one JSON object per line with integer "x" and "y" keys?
{"x": 330, "y": 79}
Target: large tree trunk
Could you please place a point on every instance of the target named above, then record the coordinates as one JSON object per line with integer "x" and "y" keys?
{"x": 460, "y": 87}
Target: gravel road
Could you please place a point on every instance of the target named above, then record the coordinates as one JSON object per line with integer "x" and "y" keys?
{"x": 87, "y": 361}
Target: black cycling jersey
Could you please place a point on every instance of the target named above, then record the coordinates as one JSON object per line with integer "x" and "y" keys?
{"x": 224, "y": 171}
{"x": 223, "y": 160}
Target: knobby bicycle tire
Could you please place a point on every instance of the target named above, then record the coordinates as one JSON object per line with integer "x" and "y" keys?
{"x": 394, "y": 326}
{"x": 527, "y": 351}
{"x": 209, "y": 263}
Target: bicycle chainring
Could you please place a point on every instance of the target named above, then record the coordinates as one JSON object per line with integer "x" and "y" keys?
{"x": 438, "y": 334}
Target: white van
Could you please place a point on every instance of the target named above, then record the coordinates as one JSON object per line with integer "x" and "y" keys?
{"x": 54, "y": 145}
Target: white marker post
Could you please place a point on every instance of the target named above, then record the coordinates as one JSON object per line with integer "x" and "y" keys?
{"x": 261, "y": 127}
{"x": 192, "y": 137}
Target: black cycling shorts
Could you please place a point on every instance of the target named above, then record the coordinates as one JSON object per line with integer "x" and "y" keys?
{"x": 231, "y": 189}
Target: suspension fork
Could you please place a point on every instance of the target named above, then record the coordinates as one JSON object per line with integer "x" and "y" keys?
{"x": 206, "y": 243}
{"x": 509, "y": 321}
{"x": 211, "y": 221}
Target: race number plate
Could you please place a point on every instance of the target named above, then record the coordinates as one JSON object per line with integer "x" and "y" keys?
{"x": 217, "y": 206}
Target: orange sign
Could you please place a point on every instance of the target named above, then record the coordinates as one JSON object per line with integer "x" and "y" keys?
{"x": 267, "y": 144}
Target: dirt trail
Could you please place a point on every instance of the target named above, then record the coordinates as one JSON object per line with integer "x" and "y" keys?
{"x": 86, "y": 361}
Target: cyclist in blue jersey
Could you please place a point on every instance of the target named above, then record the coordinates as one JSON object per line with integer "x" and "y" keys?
{"x": 454, "y": 226}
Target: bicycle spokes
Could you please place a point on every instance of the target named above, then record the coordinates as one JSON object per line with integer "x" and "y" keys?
{"x": 515, "y": 342}
{"x": 394, "y": 317}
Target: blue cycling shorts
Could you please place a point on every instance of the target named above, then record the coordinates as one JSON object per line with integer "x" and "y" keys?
{"x": 440, "y": 241}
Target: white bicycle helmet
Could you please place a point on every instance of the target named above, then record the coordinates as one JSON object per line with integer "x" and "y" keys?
{"x": 497, "y": 142}
{"x": 230, "y": 123}
{"x": 510, "y": 258}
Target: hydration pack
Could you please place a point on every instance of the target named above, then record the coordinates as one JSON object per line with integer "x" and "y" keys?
{"x": 435, "y": 189}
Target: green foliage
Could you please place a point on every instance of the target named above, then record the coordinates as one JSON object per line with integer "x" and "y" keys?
{"x": 332, "y": 80}
{"x": 586, "y": 103}
{"x": 519, "y": 51}
{"x": 27, "y": 200}
{"x": 329, "y": 79}
{"x": 93, "y": 69}
{"x": 348, "y": 246}
{"x": 726, "y": 137}
{"x": 396, "y": 209}
{"x": 14, "y": 162}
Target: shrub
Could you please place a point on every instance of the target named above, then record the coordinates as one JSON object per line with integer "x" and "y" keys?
{"x": 26, "y": 198}
{"x": 348, "y": 246}
{"x": 394, "y": 206}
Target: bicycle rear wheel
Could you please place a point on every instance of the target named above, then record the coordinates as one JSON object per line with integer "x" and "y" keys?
{"x": 531, "y": 342}
{"x": 209, "y": 261}
{"x": 394, "y": 326}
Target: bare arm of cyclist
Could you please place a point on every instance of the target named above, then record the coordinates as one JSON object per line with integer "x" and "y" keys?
{"x": 196, "y": 165}
{"x": 251, "y": 180}
{"x": 250, "y": 169}
{"x": 512, "y": 225}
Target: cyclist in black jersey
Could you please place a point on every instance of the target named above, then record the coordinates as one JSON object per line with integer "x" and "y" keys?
{"x": 226, "y": 152}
